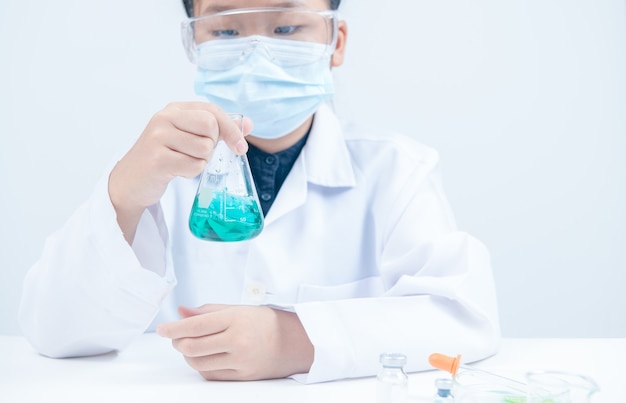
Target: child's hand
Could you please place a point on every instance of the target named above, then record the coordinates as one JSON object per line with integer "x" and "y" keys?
{"x": 178, "y": 141}
{"x": 226, "y": 342}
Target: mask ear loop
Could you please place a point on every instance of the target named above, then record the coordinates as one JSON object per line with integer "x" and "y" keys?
{"x": 334, "y": 16}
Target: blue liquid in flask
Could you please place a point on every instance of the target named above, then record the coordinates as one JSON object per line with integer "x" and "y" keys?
{"x": 227, "y": 218}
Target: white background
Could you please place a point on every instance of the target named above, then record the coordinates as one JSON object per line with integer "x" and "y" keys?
{"x": 524, "y": 99}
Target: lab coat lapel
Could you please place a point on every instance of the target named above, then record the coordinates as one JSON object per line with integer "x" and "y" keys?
{"x": 327, "y": 158}
{"x": 324, "y": 161}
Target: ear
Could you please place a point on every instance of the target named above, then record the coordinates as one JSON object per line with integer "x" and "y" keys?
{"x": 340, "y": 48}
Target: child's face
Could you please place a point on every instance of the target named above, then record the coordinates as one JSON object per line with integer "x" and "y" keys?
{"x": 204, "y": 7}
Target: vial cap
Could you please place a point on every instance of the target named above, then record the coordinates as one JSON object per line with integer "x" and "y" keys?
{"x": 392, "y": 359}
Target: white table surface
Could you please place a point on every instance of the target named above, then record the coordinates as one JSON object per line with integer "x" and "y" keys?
{"x": 151, "y": 371}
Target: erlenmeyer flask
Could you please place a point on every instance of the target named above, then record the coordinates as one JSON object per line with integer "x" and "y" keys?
{"x": 226, "y": 207}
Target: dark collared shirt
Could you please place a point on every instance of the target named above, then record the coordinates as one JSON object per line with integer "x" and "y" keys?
{"x": 269, "y": 171}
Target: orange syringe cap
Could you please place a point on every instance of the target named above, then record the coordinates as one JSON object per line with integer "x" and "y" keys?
{"x": 445, "y": 362}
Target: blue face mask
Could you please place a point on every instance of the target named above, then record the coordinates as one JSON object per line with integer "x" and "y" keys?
{"x": 269, "y": 84}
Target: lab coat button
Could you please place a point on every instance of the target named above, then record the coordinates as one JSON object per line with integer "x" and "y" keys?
{"x": 256, "y": 291}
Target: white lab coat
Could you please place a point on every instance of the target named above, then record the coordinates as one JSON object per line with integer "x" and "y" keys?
{"x": 360, "y": 243}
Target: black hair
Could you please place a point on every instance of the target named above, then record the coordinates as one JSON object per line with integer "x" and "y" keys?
{"x": 334, "y": 5}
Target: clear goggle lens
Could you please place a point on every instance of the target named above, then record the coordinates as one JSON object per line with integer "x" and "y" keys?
{"x": 218, "y": 41}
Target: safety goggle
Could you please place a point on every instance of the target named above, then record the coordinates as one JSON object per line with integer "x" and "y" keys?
{"x": 217, "y": 41}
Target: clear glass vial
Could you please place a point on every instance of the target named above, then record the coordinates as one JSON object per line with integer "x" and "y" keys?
{"x": 392, "y": 381}
{"x": 444, "y": 391}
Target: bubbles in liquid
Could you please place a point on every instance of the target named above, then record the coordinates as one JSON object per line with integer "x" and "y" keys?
{"x": 226, "y": 207}
{"x": 227, "y": 218}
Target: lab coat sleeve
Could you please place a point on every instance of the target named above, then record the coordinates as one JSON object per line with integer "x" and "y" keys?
{"x": 90, "y": 293}
{"x": 439, "y": 296}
